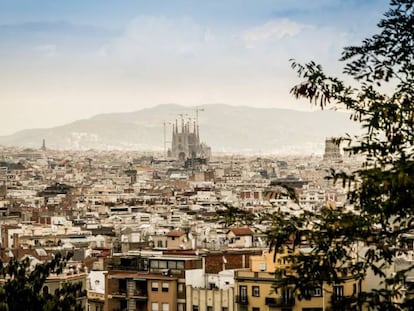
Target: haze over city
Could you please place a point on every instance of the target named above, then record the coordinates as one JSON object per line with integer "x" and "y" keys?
{"x": 155, "y": 155}
{"x": 61, "y": 61}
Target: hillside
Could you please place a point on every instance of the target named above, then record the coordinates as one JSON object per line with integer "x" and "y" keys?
{"x": 225, "y": 128}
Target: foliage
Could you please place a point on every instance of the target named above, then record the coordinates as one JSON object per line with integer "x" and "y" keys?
{"x": 22, "y": 289}
{"x": 349, "y": 245}
{"x": 233, "y": 216}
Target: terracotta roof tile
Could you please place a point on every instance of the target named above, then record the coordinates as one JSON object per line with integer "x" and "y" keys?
{"x": 242, "y": 231}
{"x": 175, "y": 233}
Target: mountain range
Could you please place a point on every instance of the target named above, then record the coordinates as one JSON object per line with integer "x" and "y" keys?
{"x": 225, "y": 128}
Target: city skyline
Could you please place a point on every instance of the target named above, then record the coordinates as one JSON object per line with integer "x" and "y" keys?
{"x": 64, "y": 61}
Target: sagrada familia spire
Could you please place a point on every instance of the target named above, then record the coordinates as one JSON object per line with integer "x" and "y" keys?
{"x": 185, "y": 143}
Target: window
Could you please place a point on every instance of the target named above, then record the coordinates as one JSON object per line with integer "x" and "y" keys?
{"x": 209, "y": 308}
{"x": 317, "y": 292}
{"x": 255, "y": 291}
{"x": 122, "y": 286}
{"x": 287, "y": 295}
{"x": 154, "y": 306}
{"x": 243, "y": 290}
{"x": 195, "y": 308}
{"x": 172, "y": 265}
{"x": 180, "y": 265}
{"x": 180, "y": 307}
{"x": 165, "y": 307}
{"x": 212, "y": 285}
{"x": 159, "y": 243}
{"x": 45, "y": 290}
{"x": 224, "y": 309}
{"x": 255, "y": 309}
{"x": 154, "y": 286}
{"x": 165, "y": 287}
{"x": 338, "y": 293}
{"x": 180, "y": 287}
{"x": 243, "y": 294}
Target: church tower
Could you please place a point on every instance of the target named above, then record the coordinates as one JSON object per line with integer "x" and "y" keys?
{"x": 43, "y": 148}
{"x": 185, "y": 143}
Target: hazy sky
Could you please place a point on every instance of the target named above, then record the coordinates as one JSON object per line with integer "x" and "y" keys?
{"x": 63, "y": 60}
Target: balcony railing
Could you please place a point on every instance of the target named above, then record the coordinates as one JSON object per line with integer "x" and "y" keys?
{"x": 243, "y": 300}
{"x": 340, "y": 300}
{"x": 119, "y": 294}
{"x": 139, "y": 294}
{"x": 280, "y": 302}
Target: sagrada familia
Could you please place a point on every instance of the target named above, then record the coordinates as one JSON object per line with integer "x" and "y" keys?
{"x": 185, "y": 143}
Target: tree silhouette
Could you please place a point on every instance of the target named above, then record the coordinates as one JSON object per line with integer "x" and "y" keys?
{"x": 22, "y": 289}
{"x": 234, "y": 216}
{"x": 349, "y": 245}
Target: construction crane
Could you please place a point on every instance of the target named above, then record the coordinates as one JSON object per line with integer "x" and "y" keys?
{"x": 198, "y": 127}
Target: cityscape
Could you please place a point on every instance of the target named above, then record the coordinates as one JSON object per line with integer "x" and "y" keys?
{"x": 152, "y": 157}
{"x": 145, "y": 229}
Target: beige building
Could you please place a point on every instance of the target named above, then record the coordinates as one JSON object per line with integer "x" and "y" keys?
{"x": 54, "y": 282}
{"x": 240, "y": 237}
{"x": 254, "y": 289}
{"x": 177, "y": 239}
{"x": 203, "y": 299}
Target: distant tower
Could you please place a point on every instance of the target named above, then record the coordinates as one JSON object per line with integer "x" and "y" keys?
{"x": 89, "y": 163}
{"x": 185, "y": 143}
{"x": 43, "y": 145}
{"x": 332, "y": 150}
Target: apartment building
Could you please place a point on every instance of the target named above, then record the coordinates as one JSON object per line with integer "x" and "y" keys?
{"x": 148, "y": 282}
{"x": 255, "y": 290}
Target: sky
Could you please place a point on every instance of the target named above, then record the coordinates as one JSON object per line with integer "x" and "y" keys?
{"x": 65, "y": 60}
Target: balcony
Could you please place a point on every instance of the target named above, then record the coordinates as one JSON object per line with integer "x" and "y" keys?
{"x": 139, "y": 295}
{"x": 338, "y": 301}
{"x": 280, "y": 302}
{"x": 119, "y": 294}
{"x": 243, "y": 300}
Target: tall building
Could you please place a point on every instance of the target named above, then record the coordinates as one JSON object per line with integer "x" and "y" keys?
{"x": 185, "y": 143}
{"x": 332, "y": 150}
{"x": 43, "y": 148}
{"x": 149, "y": 282}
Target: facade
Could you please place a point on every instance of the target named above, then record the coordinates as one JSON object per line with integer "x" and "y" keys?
{"x": 185, "y": 143}
{"x": 205, "y": 299}
{"x": 240, "y": 237}
{"x": 55, "y": 282}
{"x": 332, "y": 150}
{"x": 177, "y": 239}
{"x": 155, "y": 283}
{"x": 127, "y": 290}
{"x": 96, "y": 290}
{"x": 254, "y": 290}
